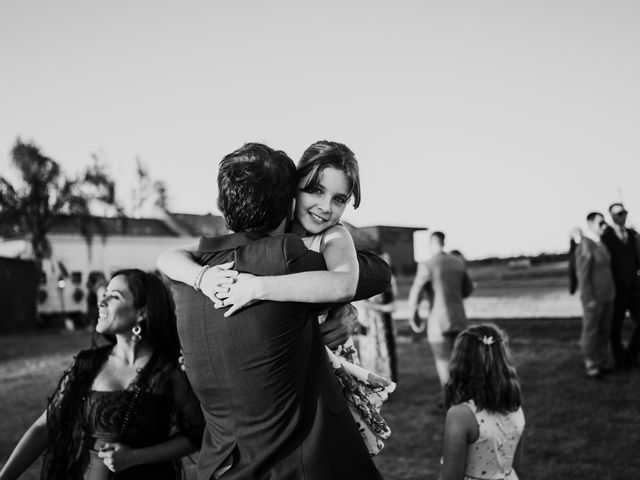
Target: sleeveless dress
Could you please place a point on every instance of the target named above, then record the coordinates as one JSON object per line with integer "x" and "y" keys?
{"x": 364, "y": 390}
{"x": 490, "y": 457}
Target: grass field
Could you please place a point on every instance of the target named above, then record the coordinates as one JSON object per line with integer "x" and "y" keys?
{"x": 576, "y": 428}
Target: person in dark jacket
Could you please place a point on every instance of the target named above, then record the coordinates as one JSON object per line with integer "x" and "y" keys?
{"x": 273, "y": 406}
{"x": 624, "y": 248}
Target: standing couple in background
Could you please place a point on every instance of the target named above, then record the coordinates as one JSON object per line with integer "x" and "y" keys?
{"x": 607, "y": 270}
{"x": 275, "y": 403}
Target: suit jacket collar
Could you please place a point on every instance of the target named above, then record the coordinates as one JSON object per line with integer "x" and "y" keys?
{"x": 612, "y": 234}
{"x": 228, "y": 242}
{"x": 621, "y": 232}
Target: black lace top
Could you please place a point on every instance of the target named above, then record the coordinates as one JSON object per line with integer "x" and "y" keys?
{"x": 157, "y": 404}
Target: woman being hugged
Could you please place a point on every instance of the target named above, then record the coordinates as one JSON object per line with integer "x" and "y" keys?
{"x": 124, "y": 410}
{"x": 485, "y": 422}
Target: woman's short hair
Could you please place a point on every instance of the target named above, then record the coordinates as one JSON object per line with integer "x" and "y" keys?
{"x": 325, "y": 154}
{"x": 256, "y": 185}
{"x": 160, "y": 328}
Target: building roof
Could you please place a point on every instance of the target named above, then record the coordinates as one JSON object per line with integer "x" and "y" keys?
{"x": 192, "y": 225}
{"x": 374, "y": 237}
{"x": 108, "y": 226}
{"x": 363, "y": 239}
{"x": 201, "y": 225}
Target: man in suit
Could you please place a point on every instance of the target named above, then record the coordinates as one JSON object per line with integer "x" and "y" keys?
{"x": 450, "y": 284}
{"x": 593, "y": 268}
{"x": 624, "y": 247}
{"x": 273, "y": 406}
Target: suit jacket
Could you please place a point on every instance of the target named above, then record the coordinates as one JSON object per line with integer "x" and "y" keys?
{"x": 450, "y": 283}
{"x": 268, "y": 393}
{"x": 625, "y": 258}
{"x": 573, "y": 274}
{"x": 593, "y": 265}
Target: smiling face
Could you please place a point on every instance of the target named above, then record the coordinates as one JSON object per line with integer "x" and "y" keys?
{"x": 116, "y": 311}
{"x": 321, "y": 206}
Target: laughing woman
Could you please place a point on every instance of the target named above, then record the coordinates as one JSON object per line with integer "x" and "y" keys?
{"x": 125, "y": 410}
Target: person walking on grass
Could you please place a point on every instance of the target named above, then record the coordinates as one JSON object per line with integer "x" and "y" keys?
{"x": 485, "y": 421}
{"x": 624, "y": 247}
{"x": 451, "y": 284}
{"x": 597, "y": 292}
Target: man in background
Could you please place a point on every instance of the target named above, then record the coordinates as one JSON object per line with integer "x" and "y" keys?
{"x": 450, "y": 284}
{"x": 597, "y": 293}
{"x": 624, "y": 247}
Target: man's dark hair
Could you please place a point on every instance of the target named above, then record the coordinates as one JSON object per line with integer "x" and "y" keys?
{"x": 614, "y": 205}
{"x": 592, "y": 216}
{"x": 256, "y": 185}
{"x": 440, "y": 236}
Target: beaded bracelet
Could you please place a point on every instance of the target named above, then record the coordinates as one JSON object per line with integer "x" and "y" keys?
{"x": 198, "y": 279}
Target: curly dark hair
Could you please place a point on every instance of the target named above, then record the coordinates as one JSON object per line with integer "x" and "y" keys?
{"x": 481, "y": 370}
{"x": 323, "y": 154}
{"x": 256, "y": 186}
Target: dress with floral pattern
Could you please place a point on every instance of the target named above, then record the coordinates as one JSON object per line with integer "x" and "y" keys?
{"x": 364, "y": 390}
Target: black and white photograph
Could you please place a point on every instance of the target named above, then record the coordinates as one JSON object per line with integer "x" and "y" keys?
{"x": 350, "y": 240}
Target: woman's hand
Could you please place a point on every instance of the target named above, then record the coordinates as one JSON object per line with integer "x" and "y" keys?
{"x": 217, "y": 280}
{"x": 117, "y": 456}
{"x": 243, "y": 291}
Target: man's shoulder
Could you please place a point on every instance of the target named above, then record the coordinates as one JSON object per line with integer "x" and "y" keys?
{"x": 445, "y": 258}
{"x": 588, "y": 246}
{"x": 270, "y": 255}
{"x": 286, "y": 242}
{"x": 606, "y": 235}
{"x": 587, "y": 243}
{"x": 434, "y": 259}
{"x": 231, "y": 241}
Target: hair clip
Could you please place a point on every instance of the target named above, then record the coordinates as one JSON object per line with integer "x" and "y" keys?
{"x": 487, "y": 340}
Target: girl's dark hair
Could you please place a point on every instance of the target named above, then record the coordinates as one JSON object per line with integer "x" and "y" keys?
{"x": 481, "y": 370}
{"x": 160, "y": 328}
{"x": 256, "y": 186}
{"x": 325, "y": 154}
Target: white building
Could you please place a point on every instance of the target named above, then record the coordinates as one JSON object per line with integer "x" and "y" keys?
{"x": 118, "y": 242}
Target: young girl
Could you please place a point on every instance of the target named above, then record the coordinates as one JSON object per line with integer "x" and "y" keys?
{"x": 484, "y": 425}
{"x": 327, "y": 179}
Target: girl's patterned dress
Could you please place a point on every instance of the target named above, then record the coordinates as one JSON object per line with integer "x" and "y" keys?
{"x": 490, "y": 457}
{"x": 365, "y": 391}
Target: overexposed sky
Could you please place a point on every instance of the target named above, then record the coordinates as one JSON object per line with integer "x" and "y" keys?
{"x": 502, "y": 123}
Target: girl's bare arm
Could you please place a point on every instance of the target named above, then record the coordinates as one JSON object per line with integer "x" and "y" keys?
{"x": 337, "y": 284}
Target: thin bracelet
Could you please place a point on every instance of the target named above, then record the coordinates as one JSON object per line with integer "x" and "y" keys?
{"x": 198, "y": 279}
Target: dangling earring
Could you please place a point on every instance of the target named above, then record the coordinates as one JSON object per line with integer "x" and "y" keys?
{"x": 136, "y": 334}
